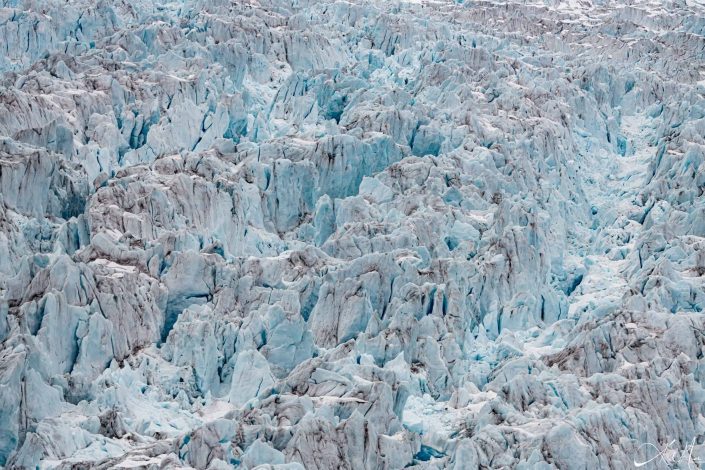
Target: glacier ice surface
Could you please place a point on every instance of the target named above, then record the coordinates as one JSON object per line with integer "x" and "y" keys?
{"x": 282, "y": 234}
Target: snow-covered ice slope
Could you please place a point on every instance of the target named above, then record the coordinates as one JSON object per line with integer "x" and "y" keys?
{"x": 351, "y": 234}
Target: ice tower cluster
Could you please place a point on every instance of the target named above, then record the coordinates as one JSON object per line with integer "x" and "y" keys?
{"x": 351, "y": 234}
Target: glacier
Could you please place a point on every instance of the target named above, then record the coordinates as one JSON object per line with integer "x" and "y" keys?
{"x": 350, "y": 234}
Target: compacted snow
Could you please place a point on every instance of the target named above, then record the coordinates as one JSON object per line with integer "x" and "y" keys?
{"x": 352, "y": 234}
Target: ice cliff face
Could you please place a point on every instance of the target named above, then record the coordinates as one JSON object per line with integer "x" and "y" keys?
{"x": 356, "y": 235}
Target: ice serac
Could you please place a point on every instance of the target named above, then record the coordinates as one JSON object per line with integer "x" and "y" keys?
{"x": 351, "y": 234}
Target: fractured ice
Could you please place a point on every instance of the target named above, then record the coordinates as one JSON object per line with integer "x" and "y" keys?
{"x": 351, "y": 234}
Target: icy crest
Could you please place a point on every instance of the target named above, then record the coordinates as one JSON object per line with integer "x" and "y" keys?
{"x": 351, "y": 234}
